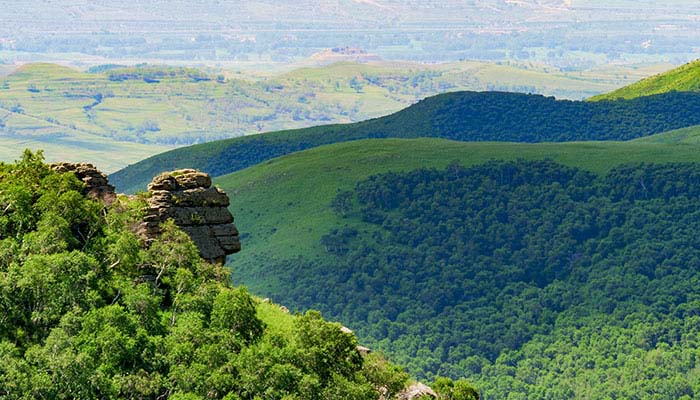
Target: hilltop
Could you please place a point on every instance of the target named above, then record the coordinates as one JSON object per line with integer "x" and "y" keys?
{"x": 344, "y": 54}
{"x": 685, "y": 78}
{"x": 464, "y": 116}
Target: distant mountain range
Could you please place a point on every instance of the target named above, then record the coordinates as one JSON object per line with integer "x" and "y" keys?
{"x": 664, "y": 102}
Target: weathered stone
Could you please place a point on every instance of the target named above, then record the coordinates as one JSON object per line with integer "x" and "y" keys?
{"x": 162, "y": 182}
{"x": 208, "y": 246}
{"x": 191, "y": 179}
{"x": 219, "y": 215}
{"x": 201, "y": 197}
{"x": 96, "y": 183}
{"x": 186, "y": 197}
{"x": 182, "y": 179}
{"x": 224, "y": 230}
{"x": 416, "y": 391}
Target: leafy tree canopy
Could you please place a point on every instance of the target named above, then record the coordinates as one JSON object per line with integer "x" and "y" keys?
{"x": 531, "y": 279}
{"x": 87, "y": 312}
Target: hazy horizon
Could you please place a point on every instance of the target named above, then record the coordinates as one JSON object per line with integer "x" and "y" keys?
{"x": 569, "y": 34}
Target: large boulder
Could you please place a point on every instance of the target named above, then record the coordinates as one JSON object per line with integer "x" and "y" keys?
{"x": 200, "y": 210}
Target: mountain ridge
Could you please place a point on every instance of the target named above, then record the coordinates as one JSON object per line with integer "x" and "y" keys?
{"x": 465, "y": 116}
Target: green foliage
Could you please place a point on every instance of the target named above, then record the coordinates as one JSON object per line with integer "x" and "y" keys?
{"x": 87, "y": 311}
{"x": 530, "y": 279}
{"x": 448, "y": 389}
{"x": 463, "y": 116}
{"x": 234, "y": 311}
{"x": 330, "y": 351}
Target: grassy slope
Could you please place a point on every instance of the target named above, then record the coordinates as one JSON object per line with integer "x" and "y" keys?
{"x": 685, "y": 78}
{"x": 281, "y": 206}
{"x": 689, "y": 135}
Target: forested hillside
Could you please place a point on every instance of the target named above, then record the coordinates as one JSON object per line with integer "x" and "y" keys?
{"x": 86, "y": 311}
{"x": 520, "y": 276}
{"x": 464, "y": 116}
{"x": 531, "y": 278}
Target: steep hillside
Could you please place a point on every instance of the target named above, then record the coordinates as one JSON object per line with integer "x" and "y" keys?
{"x": 87, "y": 311}
{"x": 542, "y": 280}
{"x": 685, "y": 78}
{"x": 465, "y": 116}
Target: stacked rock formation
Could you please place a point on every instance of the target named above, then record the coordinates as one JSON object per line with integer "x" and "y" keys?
{"x": 200, "y": 210}
{"x": 96, "y": 184}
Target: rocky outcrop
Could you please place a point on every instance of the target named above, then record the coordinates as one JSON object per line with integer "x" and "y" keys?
{"x": 200, "y": 210}
{"x": 185, "y": 196}
{"x": 96, "y": 184}
{"x": 417, "y": 391}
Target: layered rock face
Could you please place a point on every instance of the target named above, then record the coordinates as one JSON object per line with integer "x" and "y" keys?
{"x": 96, "y": 184}
{"x": 200, "y": 210}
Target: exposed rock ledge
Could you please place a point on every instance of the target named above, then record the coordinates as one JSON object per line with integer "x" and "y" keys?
{"x": 200, "y": 210}
{"x": 186, "y": 196}
{"x": 417, "y": 391}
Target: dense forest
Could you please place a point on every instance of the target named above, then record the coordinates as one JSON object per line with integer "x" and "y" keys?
{"x": 533, "y": 280}
{"x": 464, "y": 116}
{"x": 87, "y": 311}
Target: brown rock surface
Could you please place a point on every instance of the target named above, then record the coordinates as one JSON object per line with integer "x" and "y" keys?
{"x": 96, "y": 184}
{"x": 416, "y": 391}
{"x": 186, "y": 197}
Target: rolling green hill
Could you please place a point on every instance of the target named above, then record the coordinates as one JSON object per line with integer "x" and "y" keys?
{"x": 411, "y": 281}
{"x": 685, "y": 78}
{"x": 466, "y": 116}
{"x": 280, "y": 218}
{"x": 689, "y": 135}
